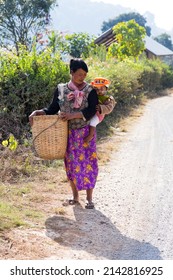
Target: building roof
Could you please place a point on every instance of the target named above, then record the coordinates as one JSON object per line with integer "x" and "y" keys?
{"x": 107, "y": 38}
{"x": 156, "y": 48}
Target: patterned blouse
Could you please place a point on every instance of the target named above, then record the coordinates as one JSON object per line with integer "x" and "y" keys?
{"x": 62, "y": 103}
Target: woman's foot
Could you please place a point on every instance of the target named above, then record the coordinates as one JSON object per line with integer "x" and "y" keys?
{"x": 89, "y": 205}
{"x": 70, "y": 202}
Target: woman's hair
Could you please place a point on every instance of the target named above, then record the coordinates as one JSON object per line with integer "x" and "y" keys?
{"x": 76, "y": 64}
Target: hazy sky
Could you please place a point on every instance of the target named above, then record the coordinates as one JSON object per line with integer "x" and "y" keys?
{"x": 162, "y": 10}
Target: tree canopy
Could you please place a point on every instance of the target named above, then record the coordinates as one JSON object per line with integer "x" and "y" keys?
{"x": 165, "y": 40}
{"x": 20, "y": 20}
{"x": 79, "y": 44}
{"x": 129, "y": 36}
{"x": 126, "y": 17}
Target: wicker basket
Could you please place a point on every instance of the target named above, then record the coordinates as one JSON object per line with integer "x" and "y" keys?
{"x": 49, "y": 136}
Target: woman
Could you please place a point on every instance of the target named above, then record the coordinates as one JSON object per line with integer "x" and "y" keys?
{"x": 76, "y": 102}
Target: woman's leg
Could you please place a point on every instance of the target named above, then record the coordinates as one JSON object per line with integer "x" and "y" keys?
{"x": 89, "y": 204}
{"x": 89, "y": 193}
{"x": 74, "y": 191}
{"x": 75, "y": 198}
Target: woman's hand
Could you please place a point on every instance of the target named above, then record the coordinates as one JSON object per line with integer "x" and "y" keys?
{"x": 35, "y": 113}
{"x": 66, "y": 116}
{"x": 69, "y": 116}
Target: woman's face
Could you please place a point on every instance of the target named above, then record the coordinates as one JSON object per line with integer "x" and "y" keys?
{"x": 79, "y": 76}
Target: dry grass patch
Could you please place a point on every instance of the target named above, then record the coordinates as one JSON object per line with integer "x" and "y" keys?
{"x": 59, "y": 211}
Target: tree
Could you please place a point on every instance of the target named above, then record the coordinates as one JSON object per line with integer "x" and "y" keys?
{"x": 129, "y": 36}
{"x": 126, "y": 17}
{"x": 165, "y": 40}
{"x": 21, "y": 20}
{"x": 57, "y": 41}
{"x": 79, "y": 44}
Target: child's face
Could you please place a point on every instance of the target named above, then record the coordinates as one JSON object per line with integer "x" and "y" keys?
{"x": 101, "y": 90}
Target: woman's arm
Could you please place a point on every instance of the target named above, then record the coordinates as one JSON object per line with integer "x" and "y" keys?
{"x": 54, "y": 106}
{"x": 90, "y": 111}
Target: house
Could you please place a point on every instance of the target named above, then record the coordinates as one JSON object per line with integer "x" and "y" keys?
{"x": 153, "y": 48}
{"x": 156, "y": 50}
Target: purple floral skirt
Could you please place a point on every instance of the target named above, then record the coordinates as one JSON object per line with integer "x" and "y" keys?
{"x": 81, "y": 159}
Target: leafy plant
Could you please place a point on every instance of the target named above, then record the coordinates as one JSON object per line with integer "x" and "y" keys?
{"x": 11, "y": 143}
{"x": 27, "y": 82}
{"x": 80, "y": 44}
{"x": 129, "y": 36}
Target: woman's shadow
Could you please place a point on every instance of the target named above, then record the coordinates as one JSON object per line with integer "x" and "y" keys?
{"x": 93, "y": 232}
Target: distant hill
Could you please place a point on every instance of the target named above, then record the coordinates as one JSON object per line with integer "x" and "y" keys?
{"x": 85, "y": 16}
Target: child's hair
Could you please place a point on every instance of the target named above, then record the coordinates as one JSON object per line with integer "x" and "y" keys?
{"x": 100, "y": 82}
{"x": 76, "y": 64}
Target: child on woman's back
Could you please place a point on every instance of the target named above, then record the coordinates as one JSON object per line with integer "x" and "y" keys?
{"x": 105, "y": 106}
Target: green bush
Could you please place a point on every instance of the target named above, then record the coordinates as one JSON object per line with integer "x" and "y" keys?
{"x": 167, "y": 77}
{"x": 129, "y": 79}
{"x": 151, "y": 74}
{"x": 124, "y": 77}
{"x": 27, "y": 83}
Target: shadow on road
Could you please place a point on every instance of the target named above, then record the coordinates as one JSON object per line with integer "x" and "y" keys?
{"x": 93, "y": 232}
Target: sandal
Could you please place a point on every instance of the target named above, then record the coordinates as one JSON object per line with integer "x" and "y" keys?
{"x": 70, "y": 202}
{"x": 89, "y": 205}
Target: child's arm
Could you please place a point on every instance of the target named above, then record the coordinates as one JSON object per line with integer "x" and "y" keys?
{"x": 108, "y": 106}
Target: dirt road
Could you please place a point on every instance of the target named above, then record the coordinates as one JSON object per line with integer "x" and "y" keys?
{"x": 137, "y": 188}
{"x": 133, "y": 217}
